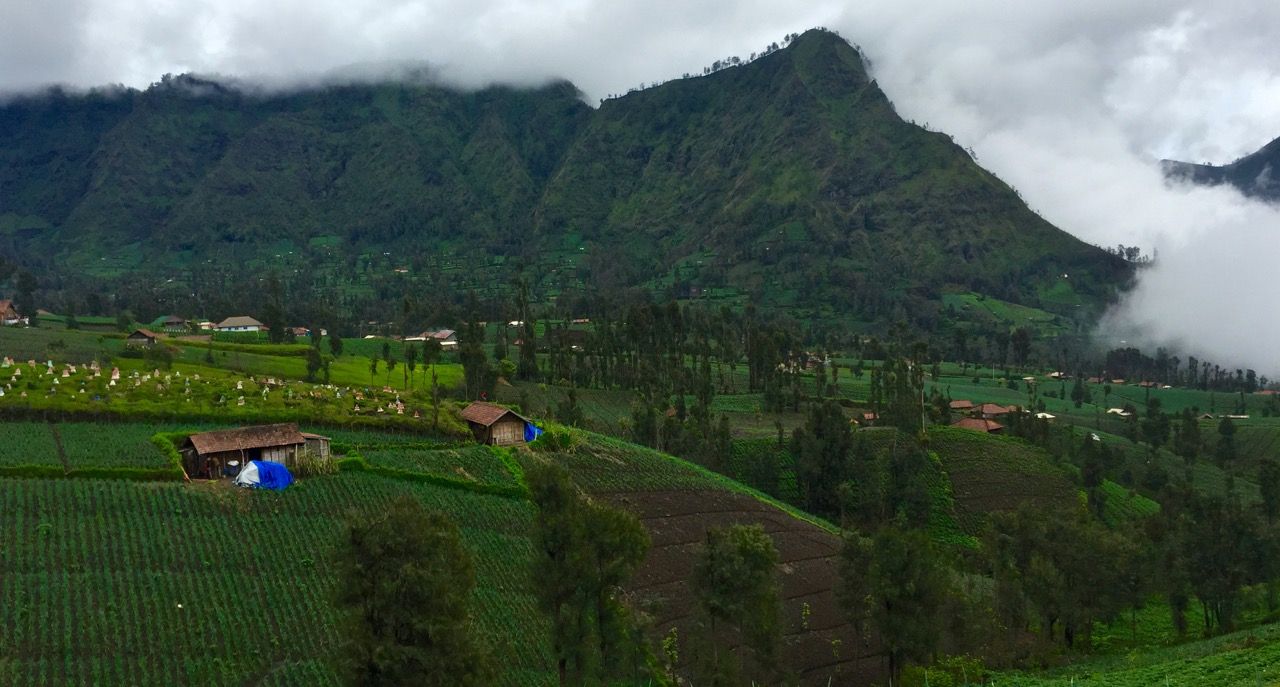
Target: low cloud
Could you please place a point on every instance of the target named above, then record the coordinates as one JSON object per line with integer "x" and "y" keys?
{"x": 1075, "y": 105}
{"x": 1072, "y": 103}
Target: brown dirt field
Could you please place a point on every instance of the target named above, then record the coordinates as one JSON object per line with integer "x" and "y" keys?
{"x": 677, "y": 522}
{"x": 978, "y": 493}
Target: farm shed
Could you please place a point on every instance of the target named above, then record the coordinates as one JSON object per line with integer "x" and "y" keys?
{"x": 316, "y": 445}
{"x": 173, "y": 324}
{"x": 493, "y": 424}
{"x": 8, "y": 313}
{"x": 207, "y": 453}
{"x": 141, "y": 338}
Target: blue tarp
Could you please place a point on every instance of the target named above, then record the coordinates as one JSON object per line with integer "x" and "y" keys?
{"x": 272, "y": 475}
{"x": 531, "y": 431}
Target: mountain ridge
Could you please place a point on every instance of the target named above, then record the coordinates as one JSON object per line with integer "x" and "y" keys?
{"x": 1256, "y": 175}
{"x": 789, "y": 181}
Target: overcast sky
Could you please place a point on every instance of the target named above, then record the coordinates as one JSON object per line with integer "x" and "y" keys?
{"x": 1072, "y": 103}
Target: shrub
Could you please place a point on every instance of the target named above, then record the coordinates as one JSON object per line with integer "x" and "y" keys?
{"x": 308, "y": 464}
{"x": 555, "y": 439}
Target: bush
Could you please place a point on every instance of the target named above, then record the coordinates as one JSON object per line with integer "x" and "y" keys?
{"x": 946, "y": 672}
{"x": 555, "y": 440}
{"x": 308, "y": 464}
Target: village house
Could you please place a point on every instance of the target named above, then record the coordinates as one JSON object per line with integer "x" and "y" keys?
{"x": 9, "y": 313}
{"x": 173, "y": 324}
{"x": 493, "y": 424}
{"x": 240, "y": 323}
{"x": 207, "y": 454}
{"x": 447, "y": 338}
{"x": 141, "y": 338}
{"x": 961, "y": 405}
{"x": 979, "y": 425}
{"x": 990, "y": 411}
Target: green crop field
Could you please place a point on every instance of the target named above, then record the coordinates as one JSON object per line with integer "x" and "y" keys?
{"x": 1250, "y": 658}
{"x": 987, "y": 309}
{"x": 478, "y": 464}
{"x": 95, "y": 444}
{"x": 109, "y": 582}
{"x": 28, "y": 443}
{"x": 993, "y": 473}
{"x": 1123, "y": 505}
{"x": 608, "y": 465}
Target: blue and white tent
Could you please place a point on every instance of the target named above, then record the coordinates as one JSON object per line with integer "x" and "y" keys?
{"x": 264, "y": 474}
{"x": 531, "y": 431}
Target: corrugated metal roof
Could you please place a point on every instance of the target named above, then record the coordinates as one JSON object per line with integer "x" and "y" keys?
{"x": 484, "y": 413}
{"x": 244, "y": 438}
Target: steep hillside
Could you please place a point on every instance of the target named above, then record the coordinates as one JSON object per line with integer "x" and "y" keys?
{"x": 789, "y": 181}
{"x": 1256, "y": 175}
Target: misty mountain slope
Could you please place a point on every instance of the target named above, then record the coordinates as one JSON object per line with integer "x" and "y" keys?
{"x": 797, "y": 167}
{"x": 790, "y": 182}
{"x": 1256, "y": 175}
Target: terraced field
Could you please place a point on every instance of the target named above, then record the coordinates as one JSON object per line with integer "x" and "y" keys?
{"x": 678, "y": 502}
{"x": 991, "y": 473}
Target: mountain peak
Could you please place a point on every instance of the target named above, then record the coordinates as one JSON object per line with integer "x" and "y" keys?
{"x": 1256, "y": 175}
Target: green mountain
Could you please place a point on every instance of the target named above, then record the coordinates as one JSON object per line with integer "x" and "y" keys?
{"x": 1255, "y": 174}
{"x": 788, "y": 182}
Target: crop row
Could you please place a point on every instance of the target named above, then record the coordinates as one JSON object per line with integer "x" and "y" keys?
{"x": 607, "y": 465}
{"x": 475, "y": 463}
{"x": 111, "y": 582}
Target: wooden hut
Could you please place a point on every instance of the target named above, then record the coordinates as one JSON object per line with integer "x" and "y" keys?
{"x": 317, "y": 445}
{"x": 207, "y": 453}
{"x": 173, "y": 324}
{"x": 493, "y": 424}
{"x": 141, "y": 338}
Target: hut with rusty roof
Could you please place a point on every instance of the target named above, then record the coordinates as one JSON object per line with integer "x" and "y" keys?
{"x": 207, "y": 453}
{"x": 493, "y": 424}
{"x": 979, "y": 425}
{"x": 141, "y": 338}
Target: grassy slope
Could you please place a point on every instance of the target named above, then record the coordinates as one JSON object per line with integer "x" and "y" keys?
{"x": 992, "y": 473}
{"x": 1244, "y": 659}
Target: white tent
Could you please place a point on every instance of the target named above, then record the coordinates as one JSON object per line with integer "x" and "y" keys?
{"x": 264, "y": 474}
